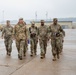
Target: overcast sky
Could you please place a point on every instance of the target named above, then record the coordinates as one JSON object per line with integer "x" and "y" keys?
{"x": 13, "y": 9}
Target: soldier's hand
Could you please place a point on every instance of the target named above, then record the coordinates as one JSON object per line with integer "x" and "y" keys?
{"x": 48, "y": 38}
{"x": 37, "y": 41}
{"x": 2, "y": 37}
{"x": 62, "y": 40}
{"x": 13, "y": 38}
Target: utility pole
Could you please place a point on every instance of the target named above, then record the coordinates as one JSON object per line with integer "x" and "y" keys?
{"x": 36, "y": 15}
{"x": 3, "y": 16}
{"x": 46, "y": 15}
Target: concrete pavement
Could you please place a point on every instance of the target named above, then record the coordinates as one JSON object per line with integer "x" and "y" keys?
{"x": 66, "y": 65}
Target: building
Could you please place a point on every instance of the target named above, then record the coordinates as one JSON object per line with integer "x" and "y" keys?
{"x": 64, "y": 24}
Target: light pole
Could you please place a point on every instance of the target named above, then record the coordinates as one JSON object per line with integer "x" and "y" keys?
{"x": 3, "y": 15}
{"x": 36, "y": 15}
{"x": 46, "y": 15}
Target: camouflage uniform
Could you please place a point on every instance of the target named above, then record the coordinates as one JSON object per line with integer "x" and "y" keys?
{"x": 62, "y": 35}
{"x": 42, "y": 31}
{"x": 21, "y": 39}
{"x": 55, "y": 39}
{"x": 33, "y": 39}
{"x": 27, "y": 37}
{"x": 1, "y": 28}
{"x": 7, "y": 32}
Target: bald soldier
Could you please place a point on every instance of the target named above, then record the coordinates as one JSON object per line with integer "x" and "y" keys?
{"x": 55, "y": 30}
{"x": 43, "y": 33}
{"x": 7, "y": 33}
{"x": 33, "y": 38}
{"x": 20, "y": 34}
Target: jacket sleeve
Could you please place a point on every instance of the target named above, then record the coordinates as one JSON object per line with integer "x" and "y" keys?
{"x": 61, "y": 30}
{"x": 3, "y": 31}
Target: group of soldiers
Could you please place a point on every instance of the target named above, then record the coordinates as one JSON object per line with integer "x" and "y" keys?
{"x": 40, "y": 34}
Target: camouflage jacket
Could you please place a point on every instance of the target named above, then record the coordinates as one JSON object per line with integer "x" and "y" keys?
{"x": 55, "y": 29}
{"x": 20, "y": 32}
{"x": 43, "y": 32}
{"x": 7, "y": 31}
{"x": 33, "y": 32}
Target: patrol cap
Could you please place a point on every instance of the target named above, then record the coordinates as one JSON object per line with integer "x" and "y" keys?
{"x": 8, "y": 20}
{"x": 42, "y": 21}
{"x": 32, "y": 22}
{"x": 20, "y": 18}
{"x": 55, "y": 19}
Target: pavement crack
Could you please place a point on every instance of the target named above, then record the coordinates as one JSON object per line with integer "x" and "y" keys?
{"x": 22, "y": 66}
{"x": 5, "y": 65}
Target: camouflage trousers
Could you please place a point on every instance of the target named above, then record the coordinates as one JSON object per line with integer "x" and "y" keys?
{"x": 43, "y": 46}
{"x": 8, "y": 45}
{"x": 56, "y": 46}
{"x": 27, "y": 45}
{"x": 61, "y": 44}
{"x": 33, "y": 43}
{"x": 21, "y": 47}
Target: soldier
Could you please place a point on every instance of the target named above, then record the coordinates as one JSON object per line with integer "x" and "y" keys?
{"x": 7, "y": 33}
{"x": 26, "y": 33}
{"x": 33, "y": 38}
{"x": 56, "y": 44}
{"x": 21, "y": 38}
{"x": 42, "y": 32}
